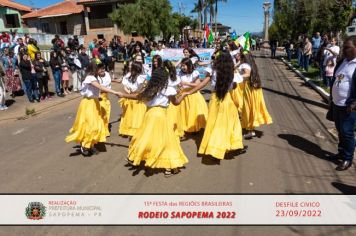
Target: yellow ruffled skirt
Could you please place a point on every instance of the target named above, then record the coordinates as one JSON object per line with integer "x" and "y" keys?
{"x": 105, "y": 111}
{"x": 254, "y": 111}
{"x": 156, "y": 143}
{"x": 175, "y": 118}
{"x": 133, "y": 112}
{"x": 88, "y": 128}
{"x": 223, "y": 130}
{"x": 238, "y": 96}
{"x": 194, "y": 112}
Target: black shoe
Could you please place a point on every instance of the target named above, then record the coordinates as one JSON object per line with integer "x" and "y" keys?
{"x": 38, "y": 100}
{"x": 31, "y": 101}
{"x": 249, "y": 135}
{"x": 60, "y": 95}
{"x": 344, "y": 165}
{"x": 94, "y": 151}
{"x": 85, "y": 151}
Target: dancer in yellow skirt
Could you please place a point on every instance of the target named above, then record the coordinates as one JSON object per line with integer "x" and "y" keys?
{"x": 105, "y": 80}
{"x": 193, "y": 109}
{"x": 237, "y": 93}
{"x": 88, "y": 128}
{"x": 133, "y": 111}
{"x": 155, "y": 141}
{"x": 174, "y": 111}
{"x": 223, "y": 132}
{"x": 254, "y": 111}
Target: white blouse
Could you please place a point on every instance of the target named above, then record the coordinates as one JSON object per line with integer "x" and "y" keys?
{"x": 88, "y": 90}
{"x": 237, "y": 78}
{"x": 106, "y": 80}
{"x": 161, "y": 99}
{"x": 189, "y": 78}
{"x": 133, "y": 87}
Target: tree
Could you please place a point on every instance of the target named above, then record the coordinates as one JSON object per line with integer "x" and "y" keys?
{"x": 294, "y": 17}
{"x": 198, "y": 8}
{"x": 147, "y": 17}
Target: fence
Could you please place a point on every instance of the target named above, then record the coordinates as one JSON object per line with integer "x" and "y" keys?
{"x": 46, "y": 39}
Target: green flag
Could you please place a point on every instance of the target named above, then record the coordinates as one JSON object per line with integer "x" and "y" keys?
{"x": 211, "y": 37}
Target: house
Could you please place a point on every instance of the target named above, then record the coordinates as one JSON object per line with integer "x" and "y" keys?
{"x": 97, "y": 22}
{"x": 62, "y": 18}
{"x": 11, "y": 16}
{"x": 223, "y": 30}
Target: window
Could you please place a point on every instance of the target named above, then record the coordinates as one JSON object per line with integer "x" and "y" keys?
{"x": 351, "y": 29}
{"x": 45, "y": 28}
{"x": 12, "y": 21}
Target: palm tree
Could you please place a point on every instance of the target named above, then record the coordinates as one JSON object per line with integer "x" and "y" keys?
{"x": 198, "y": 8}
{"x": 216, "y": 14}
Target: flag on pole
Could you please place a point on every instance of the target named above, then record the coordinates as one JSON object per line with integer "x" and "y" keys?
{"x": 233, "y": 35}
{"x": 208, "y": 36}
{"x": 244, "y": 42}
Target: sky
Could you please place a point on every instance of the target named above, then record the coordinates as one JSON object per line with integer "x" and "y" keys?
{"x": 240, "y": 15}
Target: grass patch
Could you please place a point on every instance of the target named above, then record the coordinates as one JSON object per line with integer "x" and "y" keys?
{"x": 313, "y": 74}
{"x": 30, "y": 111}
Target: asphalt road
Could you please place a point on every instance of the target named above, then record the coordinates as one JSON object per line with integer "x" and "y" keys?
{"x": 289, "y": 157}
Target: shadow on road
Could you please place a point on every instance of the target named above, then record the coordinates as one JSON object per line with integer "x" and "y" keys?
{"x": 10, "y": 102}
{"x": 298, "y": 98}
{"x": 116, "y": 145}
{"x": 306, "y": 146}
{"x": 344, "y": 188}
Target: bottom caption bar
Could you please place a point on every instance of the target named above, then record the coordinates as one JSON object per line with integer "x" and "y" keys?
{"x": 178, "y": 210}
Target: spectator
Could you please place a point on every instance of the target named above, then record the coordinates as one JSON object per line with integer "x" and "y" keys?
{"x": 5, "y": 40}
{"x": 287, "y": 47}
{"x": 56, "y": 65}
{"x": 57, "y": 42}
{"x": 332, "y": 51}
{"x": 343, "y": 97}
{"x": 114, "y": 46}
{"x": 300, "y": 48}
{"x": 75, "y": 66}
{"x": 40, "y": 65}
{"x": 329, "y": 72}
{"x": 25, "y": 66}
{"x": 65, "y": 72}
{"x": 307, "y": 52}
{"x": 92, "y": 45}
{"x": 26, "y": 38}
{"x": 2, "y": 91}
{"x": 85, "y": 61}
{"x": 76, "y": 42}
{"x": 20, "y": 44}
{"x": 32, "y": 48}
{"x": 273, "y": 45}
{"x": 316, "y": 44}
{"x": 253, "y": 44}
{"x": 12, "y": 81}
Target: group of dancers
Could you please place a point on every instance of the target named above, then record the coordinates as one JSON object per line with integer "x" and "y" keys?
{"x": 160, "y": 107}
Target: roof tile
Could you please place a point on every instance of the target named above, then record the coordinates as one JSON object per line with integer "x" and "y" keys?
{"x": 14, "y": 5}
{"x": 66, "y": 7}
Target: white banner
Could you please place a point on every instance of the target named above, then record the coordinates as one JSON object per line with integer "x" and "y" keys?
{"x": 176, "y": 55}
{"x": 178, "y": 210}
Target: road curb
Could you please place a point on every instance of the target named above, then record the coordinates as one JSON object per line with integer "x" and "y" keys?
{"x": 40, "y": 111}
{"x": 325, "y": 95}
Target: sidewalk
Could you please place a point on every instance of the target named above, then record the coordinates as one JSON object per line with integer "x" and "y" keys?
{"x": 19, "y": 105}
